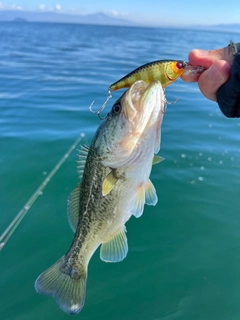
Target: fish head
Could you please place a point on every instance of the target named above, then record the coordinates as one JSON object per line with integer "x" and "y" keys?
{"x": 131, "y": 131}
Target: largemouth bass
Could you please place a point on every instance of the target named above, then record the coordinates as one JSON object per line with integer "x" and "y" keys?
{"x": 115, "y": 185}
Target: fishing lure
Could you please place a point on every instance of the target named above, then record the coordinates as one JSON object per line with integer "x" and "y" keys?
{"x": 166, "y": 71}
{"x": 194, "y": 70}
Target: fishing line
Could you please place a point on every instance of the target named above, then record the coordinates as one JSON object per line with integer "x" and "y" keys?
{"x": 16, "y": 221}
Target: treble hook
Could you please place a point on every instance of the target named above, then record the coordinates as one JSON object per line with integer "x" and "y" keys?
{"x": 166, "y": 103}
{"x": 102, "y": 107}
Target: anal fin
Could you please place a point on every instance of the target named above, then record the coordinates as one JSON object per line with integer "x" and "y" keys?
{"x": 115, "y": 249}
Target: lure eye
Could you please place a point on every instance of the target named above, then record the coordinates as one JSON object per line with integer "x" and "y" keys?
{"x": 116, "y": 108}
{"x": 179, "y": 65}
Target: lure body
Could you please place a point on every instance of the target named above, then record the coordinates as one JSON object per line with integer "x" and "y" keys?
{"x": 166, "y": 71}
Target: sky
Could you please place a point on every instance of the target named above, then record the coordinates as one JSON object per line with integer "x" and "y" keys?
{"x": 152, "y": 12}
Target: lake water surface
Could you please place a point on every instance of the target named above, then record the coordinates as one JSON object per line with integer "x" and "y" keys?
{"x": 184, "y": 253}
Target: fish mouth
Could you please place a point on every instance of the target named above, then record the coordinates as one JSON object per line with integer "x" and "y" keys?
{"x": 142, "y": 101}
{"x": 136, "y": 132}
{"x": 143, "y": 106}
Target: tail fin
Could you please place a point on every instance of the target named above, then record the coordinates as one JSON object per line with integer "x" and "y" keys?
{"x": 66, "y": 284}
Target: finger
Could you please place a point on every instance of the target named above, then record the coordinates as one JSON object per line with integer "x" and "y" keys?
{"x": 211, "y": 80}
{"x": 206, "y": 58}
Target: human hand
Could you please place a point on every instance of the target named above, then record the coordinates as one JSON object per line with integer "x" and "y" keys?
{"x": 220, "y": 81}
{"x": 217, "y": 64}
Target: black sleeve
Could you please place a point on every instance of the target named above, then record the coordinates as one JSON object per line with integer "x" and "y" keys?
{"x": 228, "y": 95}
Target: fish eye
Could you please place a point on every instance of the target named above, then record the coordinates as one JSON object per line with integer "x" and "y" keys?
{"x": 116, "y": 108}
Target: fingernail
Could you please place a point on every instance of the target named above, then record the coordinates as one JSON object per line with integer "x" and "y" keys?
{"x": 214, "y": 75}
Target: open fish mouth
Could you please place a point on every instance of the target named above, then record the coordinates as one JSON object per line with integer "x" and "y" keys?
{"x": 142, "y": 102}
{"x": 143, "y": 108}
{"x": 137, "y": 126}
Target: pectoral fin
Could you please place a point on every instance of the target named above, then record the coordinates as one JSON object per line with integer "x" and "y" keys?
{"x": 108, "y": 183}
{"x": 115, "y": 249}
{"x": 146, "y": 193}
{"x": 73, "y": 208}
{"x": 157, "y": 159}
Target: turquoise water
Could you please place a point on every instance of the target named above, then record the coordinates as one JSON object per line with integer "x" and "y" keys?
{"x": 184, "y": 254}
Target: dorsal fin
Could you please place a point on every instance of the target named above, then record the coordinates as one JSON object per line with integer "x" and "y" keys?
{"x": 82, "y": 157}
{"x": 73, "y": 208}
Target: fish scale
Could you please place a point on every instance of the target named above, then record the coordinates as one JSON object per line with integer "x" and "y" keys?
{"x": 94, "y": 174}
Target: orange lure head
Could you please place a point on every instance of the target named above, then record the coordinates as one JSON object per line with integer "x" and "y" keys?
{"x": 173, "y": 70}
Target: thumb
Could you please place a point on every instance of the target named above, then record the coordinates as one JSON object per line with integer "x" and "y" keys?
{"x": 213, "y": 78}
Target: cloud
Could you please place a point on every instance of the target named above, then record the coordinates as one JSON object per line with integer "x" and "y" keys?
{"x": 116, "y": 13}
{"x": 58, "y": 7}
{"x": 10, "y": 7}
{"x": 41, "y": 7}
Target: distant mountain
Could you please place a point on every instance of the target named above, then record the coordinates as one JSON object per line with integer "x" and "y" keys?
{"x": 98, "y": 18}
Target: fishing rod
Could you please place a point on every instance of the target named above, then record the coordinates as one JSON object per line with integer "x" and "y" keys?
{"x": 18, "y": 218}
